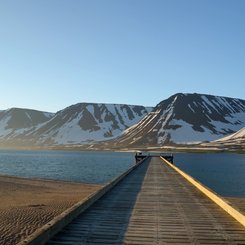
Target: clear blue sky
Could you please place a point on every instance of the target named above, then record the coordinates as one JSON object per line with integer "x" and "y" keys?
{"x": 54, "y": 53}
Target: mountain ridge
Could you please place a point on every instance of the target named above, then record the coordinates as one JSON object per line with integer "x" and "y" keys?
{"x": 235, "y": 141}
{"x": 187, "y": 119}
{"x": 181, "y": 119}
{"x": 80, "y": 123}
{"x": 16, "y": 120}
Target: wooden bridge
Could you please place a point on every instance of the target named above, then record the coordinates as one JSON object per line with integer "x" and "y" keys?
{"x": 153, "y": 204}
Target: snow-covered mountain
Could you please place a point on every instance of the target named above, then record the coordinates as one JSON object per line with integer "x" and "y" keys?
{"x": 233, "y": 137}
{"x": 187, "y": 119}
{"x": 180, "y": 119}
{"x": 234, "y": 141}
{"x": 16, "y": 121}
{"x": 85, "y": 123}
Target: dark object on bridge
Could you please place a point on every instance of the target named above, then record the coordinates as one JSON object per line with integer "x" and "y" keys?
{"x": 140, "y": 156}
{"x": 169, "y": 157}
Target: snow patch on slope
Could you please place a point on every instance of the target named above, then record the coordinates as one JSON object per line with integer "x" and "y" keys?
{"x": 184, "y": 134}
{"x": 3, "y": 131}
{"x": 109, "y": 121}
{"x": 237, "y": 135}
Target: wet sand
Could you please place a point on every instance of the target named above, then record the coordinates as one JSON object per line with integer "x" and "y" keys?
{"x": 28, "y": 204}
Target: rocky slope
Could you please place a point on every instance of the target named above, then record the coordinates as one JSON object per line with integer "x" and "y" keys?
{"x": 233, "y": 137}
{"x": 187, "y": 119}
{"x": 18, "y": 121}
{"x": 179, "y": 120}
{"x": 233, "y": 141}
{"x": 77, "y": 124}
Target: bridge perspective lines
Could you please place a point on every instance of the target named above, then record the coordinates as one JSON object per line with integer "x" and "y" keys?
{"x": 152, "y": 205}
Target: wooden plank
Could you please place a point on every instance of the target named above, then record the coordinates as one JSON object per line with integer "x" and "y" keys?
{"x": 43, "y": 234}
{"x": 153, "y": 205}
{"x": 210, "y": 194}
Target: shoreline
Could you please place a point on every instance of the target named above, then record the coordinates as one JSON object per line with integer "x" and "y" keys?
{"x": 99, "y": 148}
{"x": 15, "y": 177}
{"x": 28, "y": 204}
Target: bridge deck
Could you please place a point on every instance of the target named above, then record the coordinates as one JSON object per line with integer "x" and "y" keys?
{"x": 153, "y": 205}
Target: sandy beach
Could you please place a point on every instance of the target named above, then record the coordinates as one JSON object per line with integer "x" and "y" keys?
{"x": 27, "y": 204}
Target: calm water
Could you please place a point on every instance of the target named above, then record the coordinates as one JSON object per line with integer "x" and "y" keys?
{"x": 224, "y": 173}
{"x": 88, "y": 167}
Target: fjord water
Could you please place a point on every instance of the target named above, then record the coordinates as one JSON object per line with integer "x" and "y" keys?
{"x": 222, "y": 172}
{"x": 86, "y": 167}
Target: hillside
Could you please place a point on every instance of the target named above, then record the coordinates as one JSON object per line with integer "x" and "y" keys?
{"x": 77, "y": 124}
{"x": 187, "y": 119}
{"x": 16, "y": 122}
{"x": 233, "y": 141}
{"x": 182, "y": 119}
